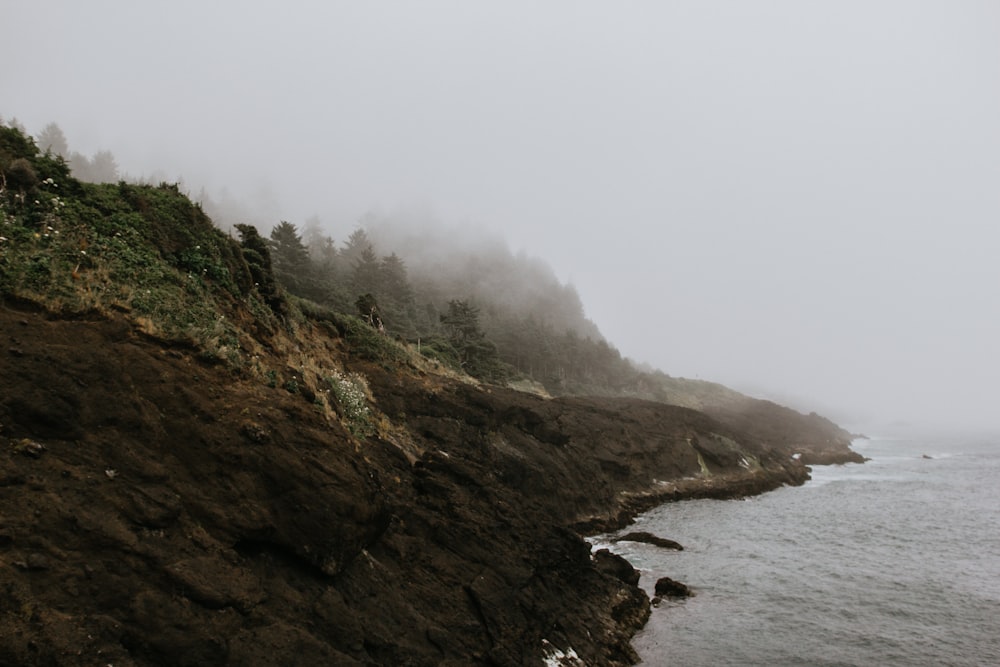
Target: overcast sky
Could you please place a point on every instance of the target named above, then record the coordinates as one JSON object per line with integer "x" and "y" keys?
{"x": 794, "y": 197}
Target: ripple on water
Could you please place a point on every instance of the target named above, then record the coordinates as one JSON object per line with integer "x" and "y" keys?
{"x": 893, "y": 562}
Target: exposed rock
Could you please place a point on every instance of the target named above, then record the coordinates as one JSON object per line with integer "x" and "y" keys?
{"x": 30, "y": 448}
{"x": 216, "y": 583}
{"x": 667, "y": 587}
{"x": 617, "y": 566}
{"x": 835, "y": 456}
{"x": 244, "y": 526}
{"x": 37, "y": 561}
{"x": 817, "y": 439}
{"x": 649, "y": 538}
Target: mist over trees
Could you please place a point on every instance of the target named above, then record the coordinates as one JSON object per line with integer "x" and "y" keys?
{"x": 226, "y": 210}
{"x": 101, "y": 167}
{"x": 461, "y": 298}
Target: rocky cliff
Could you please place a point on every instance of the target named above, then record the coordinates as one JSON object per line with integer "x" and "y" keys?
{"x": 196, "y": 469}
{"x": 157, "y": 509}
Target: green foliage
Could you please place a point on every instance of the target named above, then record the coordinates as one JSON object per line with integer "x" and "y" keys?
{"x": 477, "y": 355}
{"x": 144, "y": 250}
{"x": 368, "y": 343}
{"x": 393, "y": 281}
{"x": 257, "y": 255}
{"x": 15, "y": 144}
{"x": 357, "y": 243}
{"x": 290, "y": 259}
{"x": 150, "y": 251}
{"x": 369, "y": 311}
{"x": 349, "y": 392}
{"x": 563, "y": 362}
{"x": 20, "y": 176}
{"x": 366, "y": 274}
{"x": 439, "y": 349}
{"x": 461, "y": 323}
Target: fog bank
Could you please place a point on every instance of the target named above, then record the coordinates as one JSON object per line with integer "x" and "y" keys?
{"x": 798, "y": 199}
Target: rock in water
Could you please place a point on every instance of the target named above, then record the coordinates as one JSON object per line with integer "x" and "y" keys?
{"x": 649, "y": 538}
{"x": 667, "y": 587}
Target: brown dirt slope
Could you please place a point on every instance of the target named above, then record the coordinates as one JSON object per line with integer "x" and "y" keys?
{"x": 159, "y": 510}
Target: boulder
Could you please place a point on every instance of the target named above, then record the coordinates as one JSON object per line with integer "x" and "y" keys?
{"x": 667, "y": 587}
{"x": 649, "y": 538}
{"x": 616, "y": 566}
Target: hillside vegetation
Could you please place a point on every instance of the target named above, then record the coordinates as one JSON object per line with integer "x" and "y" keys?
{"x": 209, "y": 458}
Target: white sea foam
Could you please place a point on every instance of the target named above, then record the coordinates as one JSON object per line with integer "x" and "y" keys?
{"x": 555, "y": 657}
{"x": 598, "y": 542}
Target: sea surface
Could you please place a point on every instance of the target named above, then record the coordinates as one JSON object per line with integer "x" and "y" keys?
{"x": 892, "y": 562}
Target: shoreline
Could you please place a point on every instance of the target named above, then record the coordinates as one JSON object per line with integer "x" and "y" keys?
{"x": 174, "y": 513}
{"x": 730, "y": 487}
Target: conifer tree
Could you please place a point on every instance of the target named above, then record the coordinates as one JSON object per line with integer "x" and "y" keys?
{"x": 354, "y": 247}
{"x": 51, "y": 139}
{"x": 394, "y": 282}
{"x": 476, "y": 354}
{"x": 366, "y": 275}
{"x": 258, "y": 258}
{"x": 291, "y": 259}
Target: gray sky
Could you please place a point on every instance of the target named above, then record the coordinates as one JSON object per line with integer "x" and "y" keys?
{"x": 793, "y": 197}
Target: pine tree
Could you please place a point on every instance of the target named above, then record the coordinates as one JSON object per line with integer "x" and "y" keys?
{"x": 354, "y": 247}
{"x": 477, "y": 355}
{"x": 394, "y": 282}
{"x": 258, "y": 258}
{"x": 366, "y": 275}
{"x": 103, "y": 167}
{"x": 461, "y": 323}
{"x": 51, "y": 139}
{"x": 396, "y": 296}
{"x": 291, "y": 259}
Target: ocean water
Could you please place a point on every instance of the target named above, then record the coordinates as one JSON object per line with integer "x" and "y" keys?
{"x": 892, "y": 562}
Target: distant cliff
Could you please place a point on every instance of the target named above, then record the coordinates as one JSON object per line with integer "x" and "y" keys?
{"x": 197, "y": 469}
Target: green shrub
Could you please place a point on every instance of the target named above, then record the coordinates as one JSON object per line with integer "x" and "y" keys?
{"x": 20, "y": 175}
{"x": 368, "y": 343}
{"x": 441, "y": 350}
{"x": 349, "y": 392}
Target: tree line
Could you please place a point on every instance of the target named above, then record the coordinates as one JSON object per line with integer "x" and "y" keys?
{"x": 101, "y": 167}
{"x": 440, "y": 310}
{"x": 478, "y": 307}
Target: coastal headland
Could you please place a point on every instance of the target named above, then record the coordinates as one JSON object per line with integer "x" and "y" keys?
{"x": 198, "y": 467}
{"x": 157, "y": 510}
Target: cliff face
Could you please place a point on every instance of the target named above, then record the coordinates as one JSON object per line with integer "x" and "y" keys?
{"x": 196, "y": 469}
{"x": 158, "y": 509}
